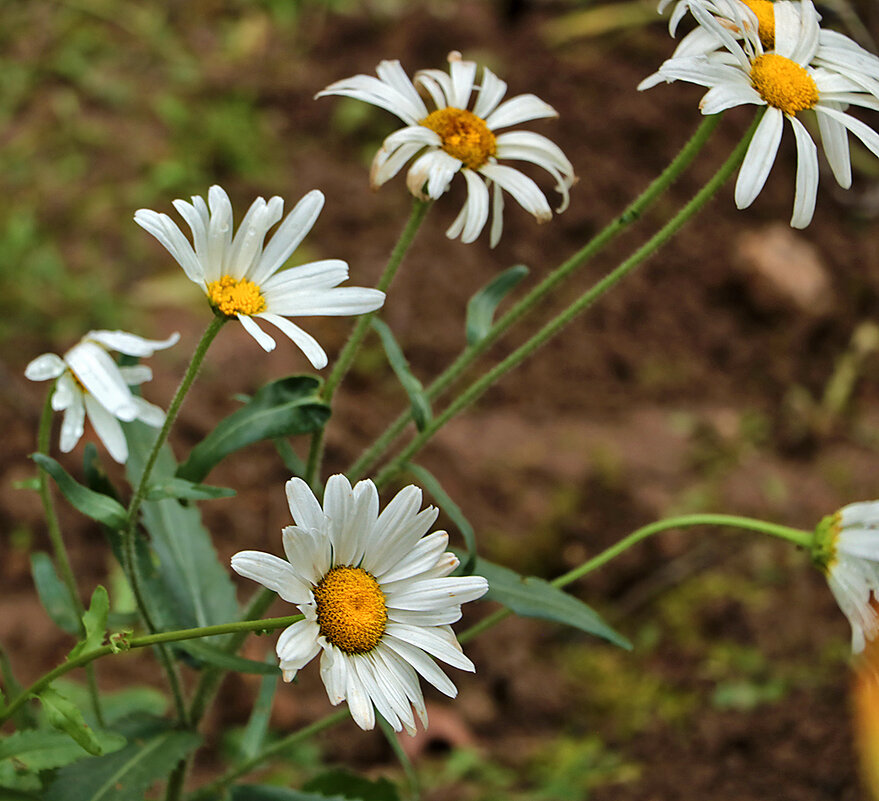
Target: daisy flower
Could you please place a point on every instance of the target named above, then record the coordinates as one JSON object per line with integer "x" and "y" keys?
{"x": 376, "y": 595}
{"x": 847, "y": 551}
{"x": 90, "y": 383}
{"x": 789, "y": 82}
{"x": 242, "y": 275}
{"x": 452, "y": 138}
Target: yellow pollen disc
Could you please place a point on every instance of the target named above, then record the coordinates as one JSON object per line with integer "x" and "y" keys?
{"x": 783, "y": 83}
{"x": 231, "y": 297}
{"x": 765, "y": 13}
{"x": 465, "y": 136}
{"x": 351, "y": 611}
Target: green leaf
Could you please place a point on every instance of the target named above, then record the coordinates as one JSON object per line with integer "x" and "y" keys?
{"x": 32, "y": 483}
{"x": 347, "y": 785}
{"x": 258, "y": 792}
{"x": 204, "y": 652}
{"x": 290, "y": 458}
{"x": 482, "y": 306}
{"x": 432, "y": 485}
{"x": 92, "y": 504}
{"x": 66, "y": 717}
{"x": 185, "y": 490}
{"x": 282, "y": 408}
{"x": 53, "y": 593}
{"x": 188, "y": 587}
{"x": 421, "y": 412}
{"x": 94, "y": 620}
{"x": 258, "y": 726}
{"x": 43, "y": 750}
{"x": 533, "y": 597}
{"x": 125, "y": 775}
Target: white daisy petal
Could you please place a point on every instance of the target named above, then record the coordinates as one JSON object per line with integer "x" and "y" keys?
{"x": 44, "y": 367}
{"x": 424, "y": 665}
{"x": 394, "y": 75}
{"x": 131, "y": 344}
{"x": 474, "y": 213}
{"x": 136, "y": 374}
{"x": 273, "y": 573}
{"x": 148, "y": 412}
{"x": 262, "y": 338}
{"x": 66, "y": 392}
{"x": 304, "y": 507}
{"x": 807, "y": 176}
{"x": 169, "y": 235}
{"x": 107, "y": 428}
{"x": 522, "y": 108}
{"x": 98, "y": 373}
{"x": 298, "y": 644}
{"x": 438, "y": 641}
{"x": 759, "y": 158}
{"x": 463, "y": 73}
{"x": 72, "y": 424}
{"x": 302, "y": 339}
{"x": 526, "y": 193}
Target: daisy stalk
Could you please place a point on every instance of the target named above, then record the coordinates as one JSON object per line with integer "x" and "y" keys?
{"x": 349, "y": 351}
{"x": 478, "y": 387}
{"x": 804, "y": 539}
{"x": 564, "y": 271}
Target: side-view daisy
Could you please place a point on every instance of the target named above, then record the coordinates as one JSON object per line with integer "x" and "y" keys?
{"x": 376, "y": 594}
{"x": 847, "y": 552}
{"x": 242, "y": 277}
{"x": 453, "y": 138}
{"x": 91, "y": 383}
{"x": 789, "y": 83}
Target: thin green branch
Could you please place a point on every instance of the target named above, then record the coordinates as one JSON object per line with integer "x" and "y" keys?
{"x": 538, "y": 293}
{"x": 478, "y": 387}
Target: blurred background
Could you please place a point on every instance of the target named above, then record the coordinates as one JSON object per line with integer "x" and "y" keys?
{"x": 734, "y": 372}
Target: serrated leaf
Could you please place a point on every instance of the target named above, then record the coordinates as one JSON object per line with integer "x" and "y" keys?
{"x": 282, "y": 408}
{"x": 429, "y": 482}
{"x": 92, "y": 504}
{"x": 204, "y": 652}
{"x": 125, "y": 775}
{"x": 185, "y": 490}
{"x": 44, "y": 750}
{"x": 482, "y": 306}
{"x": 94, "y": 622}
{"x": 189, "y": 587}
{"x": 256, "y": 792}
{"x": 350, "y": 786}
{"x": 66, "y": 717}
{"x": 53, "y": 593}
{"x": 421, "y": 412}
{"x": 529, "y": 596}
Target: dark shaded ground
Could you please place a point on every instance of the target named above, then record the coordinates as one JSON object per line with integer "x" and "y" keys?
{"x": 694, "y": 386}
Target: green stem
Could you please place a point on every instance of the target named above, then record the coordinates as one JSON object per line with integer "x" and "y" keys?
{"x": 538, "y": 293}
{"x": 803, "y": 539}
{"x": 279, "y": 747}
{"x": 349, "y": 351}
{"x": 164, "y": 637}
{"x": 478, "y": 387}
{"x": 57, "y": 540}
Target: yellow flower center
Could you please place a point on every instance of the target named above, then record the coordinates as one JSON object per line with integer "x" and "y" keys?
{"x": 351, "y": 611}
{"x": 783, "y": 83}
{"x": 765, "y": 13}
{"x": 465, "y": 136}
{"x": 232, "y": 297}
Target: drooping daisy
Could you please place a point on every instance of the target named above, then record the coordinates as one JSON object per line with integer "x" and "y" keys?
{"x": 789, "y": 83}
{"x": 91, "y": 383}
{"x": 243, "y": 278}
{"x": 847, "y": 551}
{"x": 453, "y": 138}
{"x": 376, "y": 594}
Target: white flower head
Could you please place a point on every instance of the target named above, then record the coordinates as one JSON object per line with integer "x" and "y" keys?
{"x": 800, "y": 75}
{"x": 241, "y": 274}
{"x": 90, "y": 383}
{"x": 376, "y": 594}
{"x": 453, "y": 138}
{"x": 847, "y": 551}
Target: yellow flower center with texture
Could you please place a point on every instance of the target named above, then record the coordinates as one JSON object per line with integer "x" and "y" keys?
{"x": 232, "y": 297}
{"x": 351, "y": 611}
{"x": 765, "y": 13}
{"x": 783, "y": 83}
{"x": 465, "y": 136}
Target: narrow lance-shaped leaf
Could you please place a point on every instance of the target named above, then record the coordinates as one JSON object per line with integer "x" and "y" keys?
{"x": 44, "y": 750}
{"x": 216, "y": 657}
{"x": 53, "y": 593}
{"x": 94, "y": 622}
{"x": 529, "y": 596}
{"x": 92, "y": 504}
{"x": 429, "y": 482}
{"x": 421, "y": 412}
{"x": 482, "y": 306}
{"x": 66, "y": 717}
{"x": 180, "y": 488}
{"x": 258, "y": 725}
{"x": 282, "y": 408}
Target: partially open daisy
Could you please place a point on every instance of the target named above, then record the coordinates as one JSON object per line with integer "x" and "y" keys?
{"x": 453, "y": 138}
{"x": 847, "y": 551}
{"x": 243, "y": 279}
{"x": 90, "y": 383}
{"x": 376, "y": 595}
{"x": 789, "y": 82}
